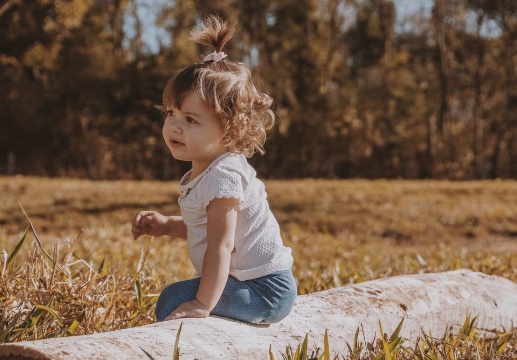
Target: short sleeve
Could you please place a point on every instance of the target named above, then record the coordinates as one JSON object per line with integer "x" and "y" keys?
{"x": 223, "y": 183}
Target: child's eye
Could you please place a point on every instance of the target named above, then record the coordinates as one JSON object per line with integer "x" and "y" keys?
{"x": 190, "y": 120}
{"x": 170, "y": 113}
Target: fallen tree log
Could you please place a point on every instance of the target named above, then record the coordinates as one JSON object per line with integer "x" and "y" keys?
{"x": 429, "y": 303}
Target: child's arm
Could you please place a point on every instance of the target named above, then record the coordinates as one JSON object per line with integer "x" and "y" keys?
{"x": 155, "y": 224}
{"x": 221, "y": 223}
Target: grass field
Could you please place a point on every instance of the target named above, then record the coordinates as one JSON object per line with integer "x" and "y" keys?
{"x": 88, "y": 275}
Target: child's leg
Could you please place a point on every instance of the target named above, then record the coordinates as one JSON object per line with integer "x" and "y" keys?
{"x": 258, "y": 301}
{"x": 174, "y": 295}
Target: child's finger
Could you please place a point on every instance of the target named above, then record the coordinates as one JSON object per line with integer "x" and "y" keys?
{"x": 135, "y": 233}
{"x": 138, "y": 221}
{"x": 147, "y": 220}
{"x": 137, "y": 218}
{"x": 176, "y": 315}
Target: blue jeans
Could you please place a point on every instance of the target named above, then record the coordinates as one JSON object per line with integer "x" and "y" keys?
{"x": 264, "y": 300}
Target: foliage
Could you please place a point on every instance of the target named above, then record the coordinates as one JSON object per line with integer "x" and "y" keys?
{"x": 359, "y": 90}
{"x": 64, "y": 295}
{"x": 97, "y": 279}
{"x": 461, "y": 345}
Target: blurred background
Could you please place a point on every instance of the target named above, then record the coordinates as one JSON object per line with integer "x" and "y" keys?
{"x": 406, "y": 89}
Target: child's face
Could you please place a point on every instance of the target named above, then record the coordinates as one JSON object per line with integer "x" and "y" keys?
{"x": 193, "y": 133}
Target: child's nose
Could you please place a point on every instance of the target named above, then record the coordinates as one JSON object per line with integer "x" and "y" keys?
{"x": 173, "y": 125}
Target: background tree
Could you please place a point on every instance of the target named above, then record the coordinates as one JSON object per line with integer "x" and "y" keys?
{"x": 359, "y": 91}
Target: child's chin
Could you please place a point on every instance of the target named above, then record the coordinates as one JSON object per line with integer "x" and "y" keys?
{"x": 179, "y": 157}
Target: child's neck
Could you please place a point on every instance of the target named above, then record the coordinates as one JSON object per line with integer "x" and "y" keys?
{"x": 200, "y": 167}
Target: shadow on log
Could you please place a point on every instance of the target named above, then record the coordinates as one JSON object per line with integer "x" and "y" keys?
{"x": 428, "y": 303}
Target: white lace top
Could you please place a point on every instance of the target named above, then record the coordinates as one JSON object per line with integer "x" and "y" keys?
{"x": 259, "y": 250}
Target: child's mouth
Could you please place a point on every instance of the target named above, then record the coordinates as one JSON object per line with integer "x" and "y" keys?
{"x": 175, "y": 143}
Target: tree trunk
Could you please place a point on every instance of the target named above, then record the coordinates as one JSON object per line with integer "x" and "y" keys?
{"x": 427, "y": 302}
{"x": 479, "y": 123}
{"x": 443, "y": 147}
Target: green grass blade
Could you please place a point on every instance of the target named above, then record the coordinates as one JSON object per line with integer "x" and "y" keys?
{"x": 73, "y": 327}
{"x": 101, "y": 266}
{"x": 380, "y": 356}
{"x": 326, "y": 346}
{"x": 502, "y": 347}
{"x": 51, "y": 312}
{"x": 357, "y": 348}
{"x": 138, "y": 290}
{"x": 288, "y": 353}
{"x": 394, "y": 344}
{"x": 75, "y": 324}
{"x": 16, "y": 249}
{"x": 472, "y": 328}
{"x": 465, "y": 328}
{"x": 36, "y": 314}
{"x": 396, "y": 333}
{"x": 297, "y": 355}
{"x": 4, "y": 336}
{"x": 176, "y": 355}
{"x": 385, "y": 344}
{"x": 305, "y": 345}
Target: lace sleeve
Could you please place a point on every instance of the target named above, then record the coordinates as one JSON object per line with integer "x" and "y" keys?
{"x": 221, "y": 183}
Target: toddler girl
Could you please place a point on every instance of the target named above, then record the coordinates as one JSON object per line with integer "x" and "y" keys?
{"x": 215, "y": 118}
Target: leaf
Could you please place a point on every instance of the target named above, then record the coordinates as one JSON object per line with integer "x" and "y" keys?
{"x": 380, "y": 356}
{"x": 73, "y": 327}
{"x": 393, "y": 345}
{"x": 464, "y": 328}
{"x": 396, "y": 333}
{"x": 303, "y": 353}
{"x": 296, "y": 355}
{"x": 51, "y": 312}
{"x": 358, "y": 348}
{"x": 34, "y": 318}
{"x": 385, "y": 344}
{"x": 101, "y": 266}
{"x": 138, "y": 290}
{"x": 349, "y": 348}
{"x": 16, "y": 249}
{"x": 271, "y": 356}
{"x": 356, "y": 340}
{"x": 176, "y": 355}
{"x": 502, "y": 347}
{"x": 472, "y": 328}
{"x": 289, "y": 353}
{"x": 326, "y": 346}
{"x": 75, "y": 324}
{"x": 4, "y": 336}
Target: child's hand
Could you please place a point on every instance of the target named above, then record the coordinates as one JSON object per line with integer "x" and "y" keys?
{"x": 149, "y": 223}
{"x": 193, "y": 309}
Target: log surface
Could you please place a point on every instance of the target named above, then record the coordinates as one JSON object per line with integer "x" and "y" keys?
{"x": 427, "y": 302}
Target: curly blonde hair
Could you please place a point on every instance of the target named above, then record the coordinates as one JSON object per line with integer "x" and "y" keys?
{"x": 227, "y": 88}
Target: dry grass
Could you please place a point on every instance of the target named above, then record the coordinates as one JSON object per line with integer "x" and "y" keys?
{"x": 96, "y": 278}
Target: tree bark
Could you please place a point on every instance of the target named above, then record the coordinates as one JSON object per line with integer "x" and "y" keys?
{"x": 427, "y": 302}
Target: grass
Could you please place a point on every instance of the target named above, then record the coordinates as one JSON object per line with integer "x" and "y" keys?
{"x": 82, "y": 273}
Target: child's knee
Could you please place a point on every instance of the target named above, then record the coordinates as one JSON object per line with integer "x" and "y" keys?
{"x": 161, "y": 310}
{"x": 173, "y": 296}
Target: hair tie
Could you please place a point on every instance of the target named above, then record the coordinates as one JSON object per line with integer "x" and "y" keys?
{"x": 215, "y": 56}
